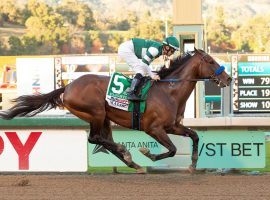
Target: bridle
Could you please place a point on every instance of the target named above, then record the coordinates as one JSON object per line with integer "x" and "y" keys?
{"x": 217, "y": 72}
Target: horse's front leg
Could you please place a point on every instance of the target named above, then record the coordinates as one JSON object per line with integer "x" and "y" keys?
{"x": 160, "y": 135}
{"x": 187, "y": 132}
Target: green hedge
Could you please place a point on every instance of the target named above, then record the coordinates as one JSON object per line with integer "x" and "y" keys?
{"x": 47, "y": 122}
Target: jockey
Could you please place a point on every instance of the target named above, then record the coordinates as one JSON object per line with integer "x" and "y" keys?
{"x": 139, "y": 53}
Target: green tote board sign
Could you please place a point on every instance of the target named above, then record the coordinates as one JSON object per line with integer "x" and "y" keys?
{"x": 231, "y": 149}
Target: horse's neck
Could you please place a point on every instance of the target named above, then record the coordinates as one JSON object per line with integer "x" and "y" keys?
{"x": 183, "y": 89}
{"x": 189, "y": 70}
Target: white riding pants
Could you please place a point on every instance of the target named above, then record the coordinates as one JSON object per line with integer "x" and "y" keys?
{"x": 126, "y": 52}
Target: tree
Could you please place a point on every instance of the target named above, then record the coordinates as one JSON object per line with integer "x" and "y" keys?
{"x": 77, "y": 13}
{"x": 85, "y": 17}
{"x": 77, "y": 44}
{"x": 30, "y": 45}
{"x": 16, "y": 46}
{"x": 133, "y": 19}
{"x": 38, "y": 9}
{"x": 23, "y": 46}
{"x": 87, "y": 42}
{"x": 218, "y": 32}
{"x": 25, "y": 14}
{"x": 1, "y": 20}
{"x": 10, "y": 12}
{"x": 2, "y": 49}
{"x": 254, "y": 35}
{"x": 46, "y": 27}
{"x": 96, "y": 44}
{"x": 123, "y": 25}
{"x": 150, "y": 28}
{"x": 114, "y": 41}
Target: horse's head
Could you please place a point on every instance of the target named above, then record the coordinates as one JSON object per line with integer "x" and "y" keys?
{"x": 209, "y": 68}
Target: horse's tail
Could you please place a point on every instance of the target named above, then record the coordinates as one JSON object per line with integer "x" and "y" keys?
{"x": 30, "y": 105}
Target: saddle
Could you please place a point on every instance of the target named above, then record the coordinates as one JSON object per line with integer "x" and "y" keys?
{"x": 116, "y": 96}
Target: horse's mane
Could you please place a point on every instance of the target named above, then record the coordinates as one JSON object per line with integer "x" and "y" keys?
{"x": 175, "y": 64}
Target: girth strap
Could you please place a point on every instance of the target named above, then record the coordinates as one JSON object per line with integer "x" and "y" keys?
{"x": 136, "y": 116}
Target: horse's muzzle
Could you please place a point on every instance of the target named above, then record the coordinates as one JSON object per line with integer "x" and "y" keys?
{"x": 221, "y": 83}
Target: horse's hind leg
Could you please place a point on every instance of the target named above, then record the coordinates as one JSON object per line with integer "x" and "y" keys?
{"x": 103, "y": 136}
{"x": 106, "y": 131}
{"x": 106, "y": 134}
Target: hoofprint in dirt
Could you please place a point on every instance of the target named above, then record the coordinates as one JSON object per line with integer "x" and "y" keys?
{"x": 134, "y": 186}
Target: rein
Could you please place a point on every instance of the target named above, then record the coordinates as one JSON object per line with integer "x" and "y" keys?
{"x": 213, "y": 77}
{"x": 179, "y": 80}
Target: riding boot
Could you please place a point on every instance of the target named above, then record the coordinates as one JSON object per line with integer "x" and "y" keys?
{"x": 132, "y": 94}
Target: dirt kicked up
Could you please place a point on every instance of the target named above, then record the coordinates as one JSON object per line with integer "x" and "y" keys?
{"x": 134, "y": 186}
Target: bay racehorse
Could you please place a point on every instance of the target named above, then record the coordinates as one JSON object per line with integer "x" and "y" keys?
{"x": 85, "y": 98}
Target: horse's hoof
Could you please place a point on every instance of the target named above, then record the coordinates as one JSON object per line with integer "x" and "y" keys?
{"x": 144, "y": 150}
{"x": 140, "y": 171}
{"x": 191, "y": 169}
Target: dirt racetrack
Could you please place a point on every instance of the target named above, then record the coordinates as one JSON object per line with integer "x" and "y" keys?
{"x": 132, "y": 186}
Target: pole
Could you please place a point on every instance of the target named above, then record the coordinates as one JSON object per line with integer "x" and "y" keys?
{"x": 166, "y": 26}
{"x": 205, "y": 33}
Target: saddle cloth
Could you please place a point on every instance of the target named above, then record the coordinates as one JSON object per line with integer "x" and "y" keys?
{"x": 116, "y": 95}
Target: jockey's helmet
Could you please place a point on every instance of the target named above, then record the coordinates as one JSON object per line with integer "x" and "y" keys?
{"x": 172, "y": 42}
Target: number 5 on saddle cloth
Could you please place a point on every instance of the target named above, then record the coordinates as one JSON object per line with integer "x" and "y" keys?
{"x": 117, "y": 96}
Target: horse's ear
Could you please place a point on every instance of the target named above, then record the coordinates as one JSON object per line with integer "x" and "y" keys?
{"x": 195, "y": 49}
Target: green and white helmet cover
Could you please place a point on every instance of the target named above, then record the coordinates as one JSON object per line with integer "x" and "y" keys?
{"x": 172, "y": 42}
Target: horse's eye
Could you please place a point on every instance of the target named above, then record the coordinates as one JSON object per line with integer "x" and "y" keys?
{"x": 211, "y": 62}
